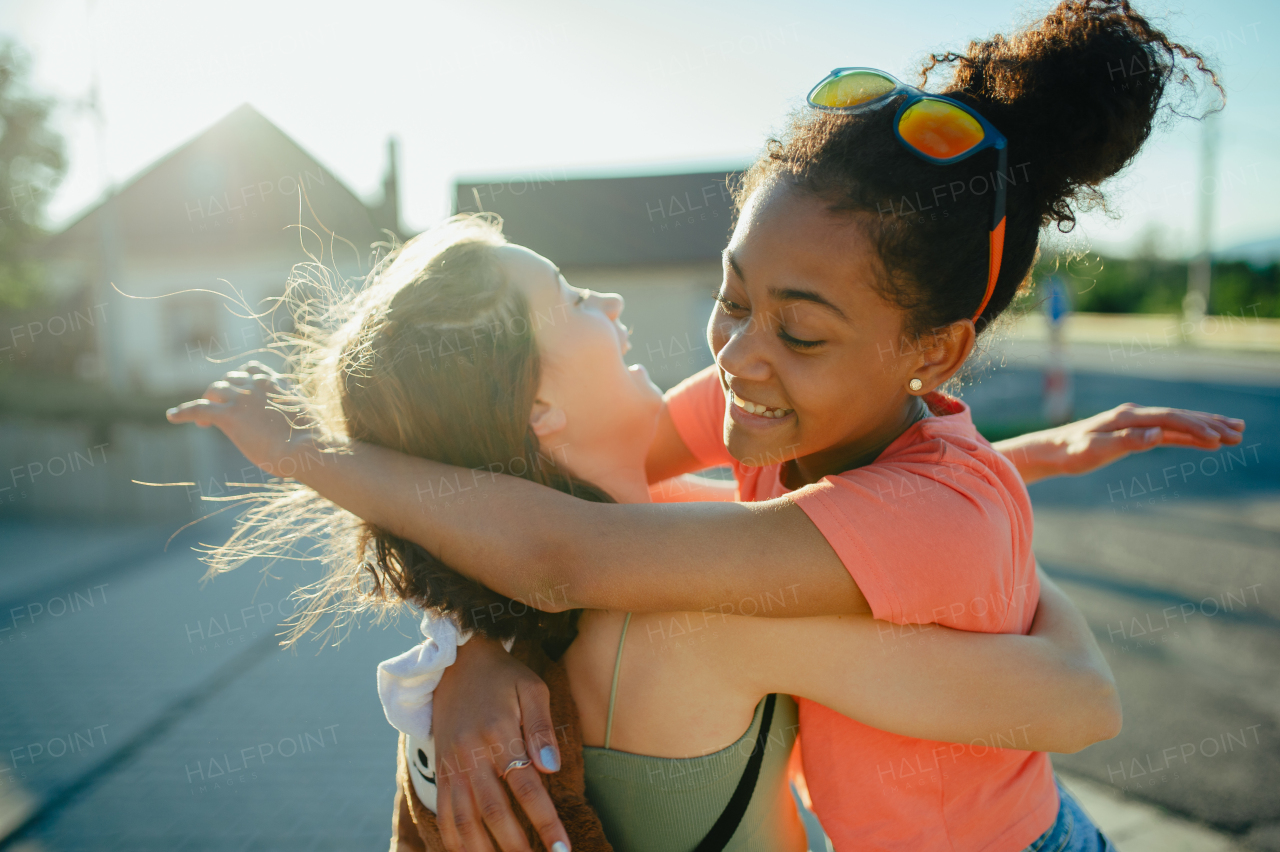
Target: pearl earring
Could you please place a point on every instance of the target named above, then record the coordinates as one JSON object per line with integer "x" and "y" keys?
{"x": 915, "y": 384}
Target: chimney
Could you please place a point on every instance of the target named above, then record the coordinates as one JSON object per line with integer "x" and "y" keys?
{"x": 386, "y": 215}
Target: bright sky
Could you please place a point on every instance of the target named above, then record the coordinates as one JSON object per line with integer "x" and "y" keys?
{"x": 577, "y": 88}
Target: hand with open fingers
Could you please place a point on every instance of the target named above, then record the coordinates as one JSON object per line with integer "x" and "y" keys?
{"x": 492, "y": 727}
{"x": 1097, "y": 441}
{"x": 256, "y": 409}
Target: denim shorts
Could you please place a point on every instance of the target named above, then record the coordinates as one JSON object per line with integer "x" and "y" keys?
{"x": 1073, "y": 831}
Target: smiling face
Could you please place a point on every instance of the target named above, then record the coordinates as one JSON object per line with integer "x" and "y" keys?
{"x": 810, "y": 355}
{"x": 590, "y": 405}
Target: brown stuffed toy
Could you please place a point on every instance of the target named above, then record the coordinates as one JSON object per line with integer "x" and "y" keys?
{"x": 414, "y": 828}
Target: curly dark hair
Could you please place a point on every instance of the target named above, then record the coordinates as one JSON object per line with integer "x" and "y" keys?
{"x": 1076, "y": 94}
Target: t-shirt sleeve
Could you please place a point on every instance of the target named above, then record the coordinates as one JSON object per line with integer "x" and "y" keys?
{"x": 696, "y": 406}
{"x": 930, "y": 540}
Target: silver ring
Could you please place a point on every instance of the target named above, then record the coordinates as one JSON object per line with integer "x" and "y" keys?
{"x": 515, "y": 764}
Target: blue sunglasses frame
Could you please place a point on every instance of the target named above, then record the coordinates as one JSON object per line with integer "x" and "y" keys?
{"x": 991, "y": 138}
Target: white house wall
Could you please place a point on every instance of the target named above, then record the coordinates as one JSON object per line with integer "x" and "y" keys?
{"x": 162, "y": 293}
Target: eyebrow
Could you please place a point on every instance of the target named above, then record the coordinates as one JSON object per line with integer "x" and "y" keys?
{"x": 787, "y": 294}
{"x": 733, "y": 262}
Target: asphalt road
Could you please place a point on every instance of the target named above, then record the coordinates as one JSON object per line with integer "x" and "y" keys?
{"x": 1174, "y": 556}
{"x": 150, "y": 712}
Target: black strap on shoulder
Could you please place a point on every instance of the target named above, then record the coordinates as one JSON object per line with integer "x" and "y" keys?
{"x": 722, "y": 832}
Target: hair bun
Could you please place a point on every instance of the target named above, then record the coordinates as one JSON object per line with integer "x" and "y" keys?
{"x": 1076, "y": 94}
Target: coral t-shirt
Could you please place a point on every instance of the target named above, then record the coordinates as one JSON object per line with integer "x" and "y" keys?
{"x": 935, "y": 530}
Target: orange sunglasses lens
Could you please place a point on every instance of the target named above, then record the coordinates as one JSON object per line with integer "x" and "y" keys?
{"x": 852, "y": 89}
{"x": 939, "y": 129}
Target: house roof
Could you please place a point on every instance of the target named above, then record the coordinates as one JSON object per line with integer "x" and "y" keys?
{"x": 610, "y": 221}
{"x": 234, "y": 189}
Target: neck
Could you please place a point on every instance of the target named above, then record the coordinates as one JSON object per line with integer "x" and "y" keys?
{"x": 625, "y": 486}
{"x": 857, "y": 452}
{"x": 619, "y": 474}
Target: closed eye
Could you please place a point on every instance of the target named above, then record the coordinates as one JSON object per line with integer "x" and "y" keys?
{"x": 729, "y": 305}
{"x": 581, "y": 295}
{"x": 797, "y": 343}
{"x": 732, "y": 307}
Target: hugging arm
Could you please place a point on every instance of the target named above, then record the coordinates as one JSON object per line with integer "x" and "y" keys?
{"x": 529, "y": 542}
{"x": 1049, "y": 691}
{"x": 533, "y": 543}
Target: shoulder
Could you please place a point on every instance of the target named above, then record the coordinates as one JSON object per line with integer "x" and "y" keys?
{"x": 949, "y": 449}
{"x": 695, "y": 408}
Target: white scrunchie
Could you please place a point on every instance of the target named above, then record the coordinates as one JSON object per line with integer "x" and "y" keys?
{"x": 407, "y": 683}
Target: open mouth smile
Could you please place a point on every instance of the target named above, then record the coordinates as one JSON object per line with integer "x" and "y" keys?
{"x": 758, "y": 409}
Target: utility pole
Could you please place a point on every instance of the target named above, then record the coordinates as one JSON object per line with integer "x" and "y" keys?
{"x": 1199, "y": 271}
{"x": 110, "y": 341}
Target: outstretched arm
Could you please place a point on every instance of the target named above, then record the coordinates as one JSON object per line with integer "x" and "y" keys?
{"x": 526, "y": 541}
{"x": 1097, "y": 441}
{"x": 533, "y": 543}
{"x": 1067, "y": 450}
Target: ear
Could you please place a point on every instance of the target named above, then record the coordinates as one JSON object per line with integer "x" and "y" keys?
{"x": 942, "y": 353}
{"x": 547, "y": 419}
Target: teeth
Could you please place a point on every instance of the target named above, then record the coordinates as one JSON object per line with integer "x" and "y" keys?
{"x": 760, "y": 410}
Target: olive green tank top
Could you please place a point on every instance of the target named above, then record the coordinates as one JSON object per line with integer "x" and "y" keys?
{"x": 660, "y": 804}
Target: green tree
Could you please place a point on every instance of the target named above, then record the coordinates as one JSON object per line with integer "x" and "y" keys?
{"x": 32, "y": 163}
{"x": 1149, "y": 284}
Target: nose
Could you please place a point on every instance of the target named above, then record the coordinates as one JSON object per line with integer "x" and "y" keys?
{"x": 743, "y": 352}
{"x": 611, "y": 303}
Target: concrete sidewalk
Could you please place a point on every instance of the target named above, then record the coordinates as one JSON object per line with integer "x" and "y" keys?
{"x": 1142, "y": 346}
{"x": 1135, "y": 826}
{"x": 1242, "y": 333}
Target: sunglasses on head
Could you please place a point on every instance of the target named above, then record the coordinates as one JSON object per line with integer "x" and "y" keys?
{"x": 934, "y": 128}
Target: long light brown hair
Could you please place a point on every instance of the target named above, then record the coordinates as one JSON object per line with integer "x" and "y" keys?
{"x": 434, "y": 356}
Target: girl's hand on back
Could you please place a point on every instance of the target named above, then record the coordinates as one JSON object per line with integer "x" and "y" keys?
{"x": 256, "y": 410}
{"x": 1089, "y": 444}
{"x": 491, "y": 710}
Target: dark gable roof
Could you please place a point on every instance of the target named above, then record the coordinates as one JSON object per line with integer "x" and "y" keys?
{"x": 231, "y": 191}
{"x": 610, "y": 221}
